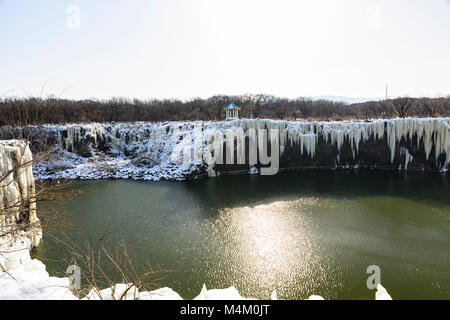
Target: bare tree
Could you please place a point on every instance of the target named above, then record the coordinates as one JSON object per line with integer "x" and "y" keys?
{"x": 33, "y": 111}
{"x": 432, "y": 106}
{"x": 218, "y": 103}
{"x": 401, "y": 106}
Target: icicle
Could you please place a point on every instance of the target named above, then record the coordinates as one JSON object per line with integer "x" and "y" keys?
{"x": 156, "y": 138}
{"x": 408, "y": 156}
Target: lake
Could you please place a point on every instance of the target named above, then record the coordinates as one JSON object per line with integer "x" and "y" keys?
{"x": 304, "y": 233}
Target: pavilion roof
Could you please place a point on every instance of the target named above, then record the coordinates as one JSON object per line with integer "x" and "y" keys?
{"x": 232, "y": 106}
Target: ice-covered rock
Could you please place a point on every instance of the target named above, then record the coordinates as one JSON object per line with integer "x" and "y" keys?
{"x": 253, "y": 170}
{"x": 27, "y": 279}
{"x": 230, "y": 293}
{"x": 20, "y": 230}
{"x": 17, "y": 196}
{"x": 159, "y": 294}
{"x": 316, "y": 298}
{"x": 120, "y": 291}
{"x": 382, "y": 293}
{"x": 274, "y": 296}
{"x": 96, "y": 151}
{"x": 130, "y": 292}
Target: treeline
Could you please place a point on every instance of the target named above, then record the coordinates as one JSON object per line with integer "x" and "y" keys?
{"x": 31, "y": 111}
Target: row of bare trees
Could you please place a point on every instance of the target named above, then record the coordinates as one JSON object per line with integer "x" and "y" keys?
{"x": 17, "y": 112}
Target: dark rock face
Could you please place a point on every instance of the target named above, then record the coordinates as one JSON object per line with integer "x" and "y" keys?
{"x": 408, "y": 152}
{"x": 372, "y": 154}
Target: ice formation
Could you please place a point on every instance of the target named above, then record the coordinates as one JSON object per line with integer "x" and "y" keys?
{"x": 315, "y": 298}
{"x": 27, "y": 279}
{"x": 382, "y": 293}
{"x": 124, "y": 291}
{"x": 220, "y": 294}
{"x": 18, "y": 220}
{"x": 145, "y": 151}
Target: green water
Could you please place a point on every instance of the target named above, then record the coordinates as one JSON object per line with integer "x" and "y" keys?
{"x": 299, "y": 233}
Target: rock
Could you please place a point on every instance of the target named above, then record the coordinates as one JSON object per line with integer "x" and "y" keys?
{"x": 220, "y": 294}
{"x": 382, "y": 293}
{"x": 17, "y": 193}
{"x": 144, "y": 161}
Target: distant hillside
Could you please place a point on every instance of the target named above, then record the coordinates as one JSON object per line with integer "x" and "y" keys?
{"x": 346, "y": 100}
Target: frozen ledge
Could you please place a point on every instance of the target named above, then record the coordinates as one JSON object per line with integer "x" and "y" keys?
{"x": 17, "y": 194}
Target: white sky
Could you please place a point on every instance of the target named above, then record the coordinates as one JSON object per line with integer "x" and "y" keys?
{"x": 198, "y": 48}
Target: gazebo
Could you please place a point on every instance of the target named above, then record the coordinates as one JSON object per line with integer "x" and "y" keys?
{"x": 232, "y": 111}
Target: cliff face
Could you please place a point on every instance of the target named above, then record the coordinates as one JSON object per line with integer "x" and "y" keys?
{"x": 19, "y": 224}
{"x": 150, "y": 151}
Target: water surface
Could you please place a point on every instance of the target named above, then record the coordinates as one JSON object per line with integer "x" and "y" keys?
{"x": 299, "y": 233}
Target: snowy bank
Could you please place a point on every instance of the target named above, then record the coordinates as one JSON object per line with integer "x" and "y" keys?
{"x": 29, "y": 280}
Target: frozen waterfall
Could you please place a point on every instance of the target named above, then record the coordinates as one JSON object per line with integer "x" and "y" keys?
{"x": 115, "y": 150}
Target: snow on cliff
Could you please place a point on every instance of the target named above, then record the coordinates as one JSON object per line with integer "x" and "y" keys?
{"x": 17, "y": 194}
{"x": 145, "y": 151}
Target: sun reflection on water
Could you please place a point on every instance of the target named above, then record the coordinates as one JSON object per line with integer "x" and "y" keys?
{"x": 271, "y": 243}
